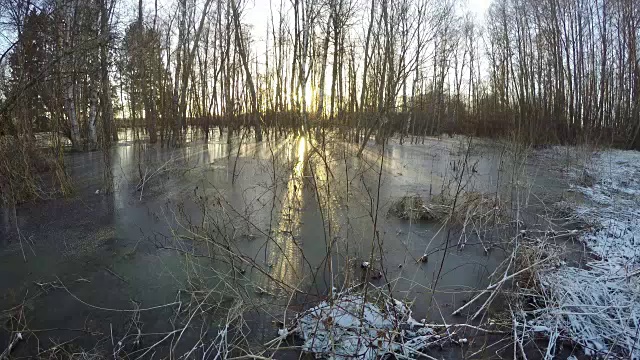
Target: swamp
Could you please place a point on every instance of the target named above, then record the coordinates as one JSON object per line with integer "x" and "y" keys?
{"x": 334, "y": 179}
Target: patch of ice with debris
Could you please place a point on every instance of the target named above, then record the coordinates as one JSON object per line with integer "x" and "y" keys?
{"x": 348, "y": 327}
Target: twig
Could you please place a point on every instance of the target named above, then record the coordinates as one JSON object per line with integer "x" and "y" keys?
{"x": 16, "y": 338}
{"x": 116, "y": 275}
{"x": 117, "y": 310}
{"x": 491, "y": 287}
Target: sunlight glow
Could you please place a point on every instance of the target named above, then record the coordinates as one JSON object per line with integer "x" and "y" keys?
{"x": 302, "y": 147}
{"x": 309, "y": 97}
{"x": 285, "y": 257}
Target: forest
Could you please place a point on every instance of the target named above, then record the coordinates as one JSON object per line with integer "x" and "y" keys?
{"x": 551, "y": 71}
{"x": 346, "y": 163}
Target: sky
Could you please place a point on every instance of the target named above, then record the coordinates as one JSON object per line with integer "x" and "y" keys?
{"x": 479, "y": 7}
{"x": 257, "y": 13}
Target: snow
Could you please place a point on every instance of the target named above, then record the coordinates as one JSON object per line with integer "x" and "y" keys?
{"x": 539, "y": 328}
{"x": 594, "y": 308}
{"x": 348, "y": 327}
{"x": 615, "y": 206}
{"x": 598, "y": 306}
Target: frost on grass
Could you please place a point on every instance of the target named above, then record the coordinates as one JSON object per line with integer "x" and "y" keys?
{"x": 614, "y": 206}
{"x": 598, "y": 307}
{"x": 348, "y": 327}
{"x": 593, "y": 307}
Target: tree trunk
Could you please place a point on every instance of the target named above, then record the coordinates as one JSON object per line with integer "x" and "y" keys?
{"x": 91, "y": 121}
{"x": 247, "y": 70}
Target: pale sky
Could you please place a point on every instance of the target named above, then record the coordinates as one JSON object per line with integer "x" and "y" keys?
{"x": 257, "y": 13}
{"x": 479, "y": 7}
{"x": 260, "y": 8}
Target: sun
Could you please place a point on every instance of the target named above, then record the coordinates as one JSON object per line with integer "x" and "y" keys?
{"x": 309, "y": 97}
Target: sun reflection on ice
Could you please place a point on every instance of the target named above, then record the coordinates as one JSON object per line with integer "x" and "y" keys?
{"x": 285, "y": 255}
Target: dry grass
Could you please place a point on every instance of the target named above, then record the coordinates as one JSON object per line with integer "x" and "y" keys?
{"x": 415, "y": 208}
{"x": 483, "y": 209}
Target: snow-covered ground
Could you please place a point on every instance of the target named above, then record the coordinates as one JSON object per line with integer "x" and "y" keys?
{"x": 598, "y": 306}
{"x": 615, "y": 208}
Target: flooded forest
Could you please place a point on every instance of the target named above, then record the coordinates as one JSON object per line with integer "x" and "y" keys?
{"x": 328, "y": 179}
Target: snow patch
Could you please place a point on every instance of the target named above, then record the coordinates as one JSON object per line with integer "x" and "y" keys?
{"x": 283, "y": 333}
{"x": 614, "y": 206}
{"x": 598, "y": 306}
{"x": 348, "y": 327}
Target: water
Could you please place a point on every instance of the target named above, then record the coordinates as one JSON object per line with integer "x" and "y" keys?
{"x": 299, "y": 217}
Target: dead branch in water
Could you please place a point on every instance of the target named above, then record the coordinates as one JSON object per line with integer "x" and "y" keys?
{"x": 17, "y": 337}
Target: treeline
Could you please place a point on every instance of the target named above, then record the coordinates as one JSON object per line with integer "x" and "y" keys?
{"x": 567, "y": 68}
{"x": 542, "y": 70}
{"x": 56, "y": 74}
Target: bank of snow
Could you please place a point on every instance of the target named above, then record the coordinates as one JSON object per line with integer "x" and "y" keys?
{"x": 598, "y": 306}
